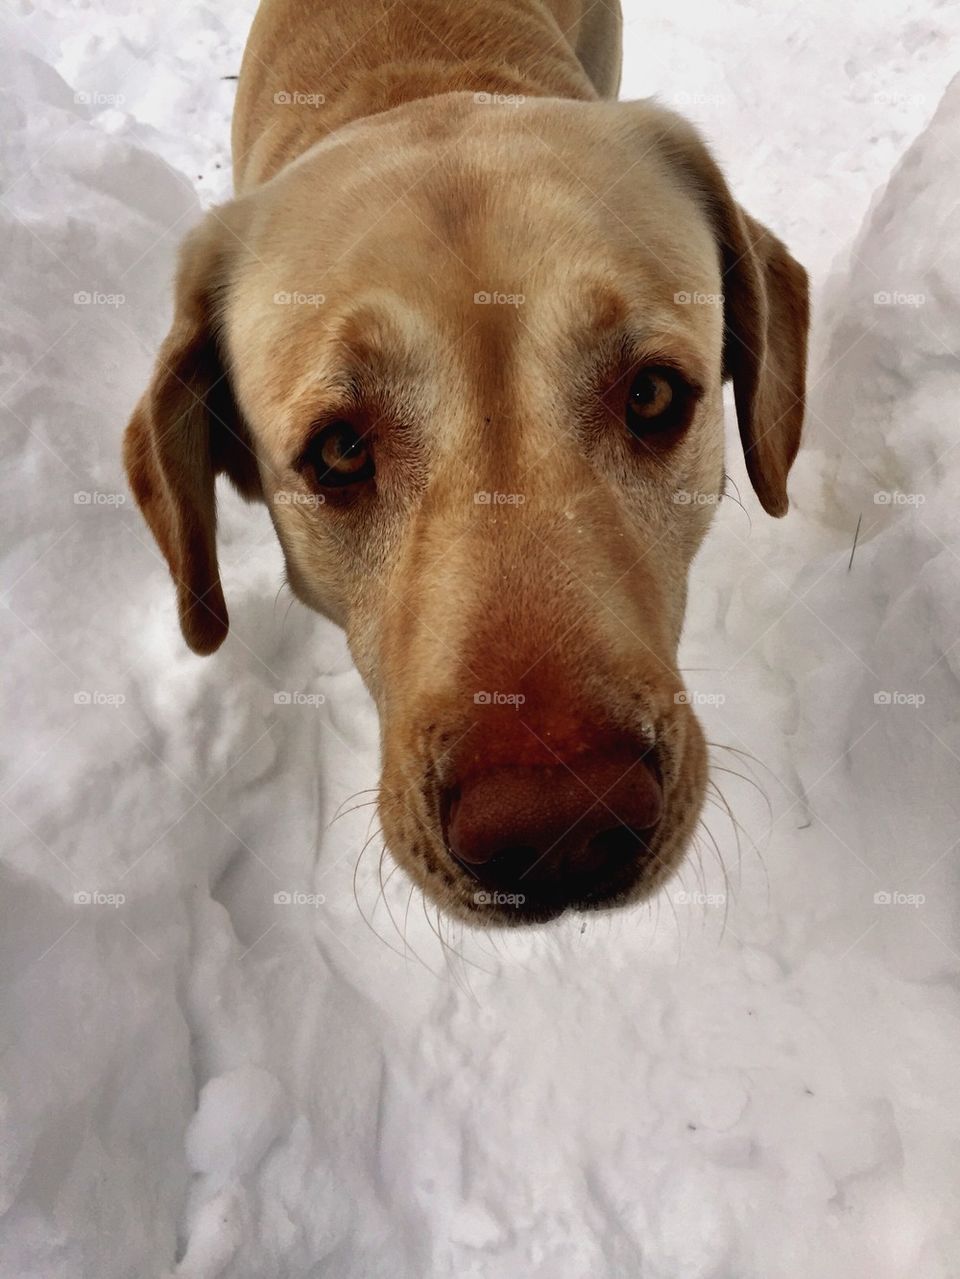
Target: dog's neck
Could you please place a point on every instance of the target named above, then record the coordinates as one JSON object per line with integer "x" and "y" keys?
{"x": 341, "y": 62}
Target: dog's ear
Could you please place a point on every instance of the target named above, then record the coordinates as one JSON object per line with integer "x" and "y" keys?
{"x": 186, "y": 430}
{"x": 766, "y": 321}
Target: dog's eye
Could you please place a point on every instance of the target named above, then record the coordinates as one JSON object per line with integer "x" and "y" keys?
{"x": 659, "y": 400}
{"x": 336, "y": 456}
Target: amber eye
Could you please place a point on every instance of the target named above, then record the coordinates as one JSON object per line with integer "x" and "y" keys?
{"x": 659, "y": 400}
{"x": 337, "y": 455}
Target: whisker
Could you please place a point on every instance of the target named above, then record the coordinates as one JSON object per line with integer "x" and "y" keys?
{"x": 356, "y": 897}
{"x": 738, "y": 827}
{"x": 443, "y": 946}
{"x": 719, "y": 768}
{"x": 735, "y": 497}
{"x": 369, "y": 790}
{"x": 406, "y": 913}
{"x": 723, "y": 869}
{"x": 407, "y": 948}
{"x": 752, "y": 759}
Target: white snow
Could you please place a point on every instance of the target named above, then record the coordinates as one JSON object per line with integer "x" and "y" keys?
{"x": 211, "y": 1066}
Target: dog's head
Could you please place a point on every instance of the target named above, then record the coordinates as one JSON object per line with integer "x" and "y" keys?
{"x": 472, "y": 359}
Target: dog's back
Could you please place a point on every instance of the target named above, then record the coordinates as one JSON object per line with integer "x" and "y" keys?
{"x": 310, "y": 67}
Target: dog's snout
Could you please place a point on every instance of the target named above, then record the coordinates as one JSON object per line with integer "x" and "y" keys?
{"x": 557, "y": 834}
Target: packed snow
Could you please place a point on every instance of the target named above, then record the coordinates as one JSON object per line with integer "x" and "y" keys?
{"x": 225, "y": 1053}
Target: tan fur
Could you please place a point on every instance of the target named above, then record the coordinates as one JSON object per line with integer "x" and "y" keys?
{"x": 396, "y": 200}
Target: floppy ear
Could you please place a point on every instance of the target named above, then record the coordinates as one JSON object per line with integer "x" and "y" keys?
{"x": 187, "y": 429}
{"x": 766, "y": 317}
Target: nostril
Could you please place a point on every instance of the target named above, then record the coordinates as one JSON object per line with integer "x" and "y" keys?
{"x": 506, "y": 869}
{"x": 619, "y": 846}
{"x": 519, "y": 860}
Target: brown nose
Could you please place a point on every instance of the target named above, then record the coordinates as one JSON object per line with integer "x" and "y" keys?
{"x": 557, "y": 835}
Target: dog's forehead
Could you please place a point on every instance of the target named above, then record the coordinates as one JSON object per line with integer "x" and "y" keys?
{"x": 495, "y": 251}
{"x": 464, "y": 179}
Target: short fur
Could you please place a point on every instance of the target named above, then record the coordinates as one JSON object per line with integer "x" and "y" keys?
{"x": 392, "y": 164}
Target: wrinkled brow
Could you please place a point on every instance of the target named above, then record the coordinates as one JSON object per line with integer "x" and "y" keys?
{"x": 652, "y": 341}
{"x": 352, "y": 359}
{"x": 604, "y": 326}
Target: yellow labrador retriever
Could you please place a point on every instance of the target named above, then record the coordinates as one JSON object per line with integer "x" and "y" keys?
{"x": 464, "y": 329}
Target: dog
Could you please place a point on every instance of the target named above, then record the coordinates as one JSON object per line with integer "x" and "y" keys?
{"x": 464, "y": 329}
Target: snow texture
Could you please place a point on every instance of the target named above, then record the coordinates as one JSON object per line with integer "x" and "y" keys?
{"x": 211, "y": 1066}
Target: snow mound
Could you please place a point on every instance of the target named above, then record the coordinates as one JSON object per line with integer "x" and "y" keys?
{"x": 212, "y": 1067}
{"x": 881, "y": 411}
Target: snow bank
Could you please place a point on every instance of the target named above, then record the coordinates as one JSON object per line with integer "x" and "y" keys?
{"x": 212, "y": 1066}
